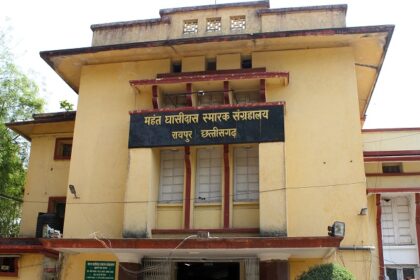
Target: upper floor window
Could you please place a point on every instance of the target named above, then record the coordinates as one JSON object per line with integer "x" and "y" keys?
{"x": 392, "y": 168}
{"x": 246, "y": 174}
{"x": 210, "y": 98}
{"x": 171, "y": 176}
{"x": 63, "y": 148}
{"x": 396, "y": 221}
{"x": 237, "y": 23}
{"x": 8, "y": 266}
{"x": 214, "y": 25}
{"x": 176, "y": 66}
{"x": 174, "y": 100}
{"x": 190, "y": 26}
{"x": 246, "y": 97}
{"x": 209, "y": 174}
{"x": 397, "y": 272}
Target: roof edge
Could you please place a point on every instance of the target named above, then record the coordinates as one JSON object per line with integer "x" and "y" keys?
{"x": 122, "y": 24}
{"x": 263, "y": 3}
{"x": 338, "y": 7}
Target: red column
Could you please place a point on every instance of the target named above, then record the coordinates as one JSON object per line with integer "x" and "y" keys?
{"x": 155, "y": 96}
{"x": 187, "y": 209}
{"x": 226, "y": 92}
{"x": 379, "y": 235}
{"x": 226, "y": 199}
{"x": 262, "y": 90}
{"x": 189, "y": 94}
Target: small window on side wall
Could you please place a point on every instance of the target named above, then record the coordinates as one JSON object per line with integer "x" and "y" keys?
{"x": 63, "y": 147}
{"x": 392, "y": 168}
{"x": 8, "y": 266}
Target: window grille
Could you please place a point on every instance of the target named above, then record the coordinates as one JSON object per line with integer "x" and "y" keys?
{"x": 214, "y": 25}
{"x": 210, "y": 98}
{"x": 237, "y": 23}
{"x": 190, "y": 26}
{"x": 171, "y": 176}
{"x": 246, "y": 174}
{"x": 209, "y": 174}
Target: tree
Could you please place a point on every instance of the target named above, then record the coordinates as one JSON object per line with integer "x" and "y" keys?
{"x": 328, "y": 271}
{"x": 18, "y": 100}
{"x": 66, "y": 105}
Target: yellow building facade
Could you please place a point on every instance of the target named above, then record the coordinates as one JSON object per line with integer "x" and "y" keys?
{"x": 216, "y": 141}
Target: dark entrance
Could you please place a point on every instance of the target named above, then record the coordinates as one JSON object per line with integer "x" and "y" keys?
{"x": 207, "y": 271}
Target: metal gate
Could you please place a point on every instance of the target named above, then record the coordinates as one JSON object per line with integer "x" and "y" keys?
{"x": 156, "y": 269}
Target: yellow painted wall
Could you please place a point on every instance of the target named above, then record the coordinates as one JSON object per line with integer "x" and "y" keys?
{"x": 74, "y": 264}
{"x": 194, "y": 63}
{"x": 323, "y": 151}
{"x": 245, "y": 215}
{"x": 100, "y": 158}
{"x": 273, "y": 216}
{"x": 30, "y": 267}
{"x": 391, "y": 140}
{"x": 228, "y": 61}
{"x": 46, "y": 177}
{"x": 302, "y": 21}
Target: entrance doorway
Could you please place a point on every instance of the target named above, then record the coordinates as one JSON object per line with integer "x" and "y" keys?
{"x": 208, "y": 271}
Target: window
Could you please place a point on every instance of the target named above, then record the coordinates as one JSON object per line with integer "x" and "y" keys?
{"x": 247, "y": 97}
{"x": 392, "y": 168}
{"x": 171, "y": 176}
{"x": 246, "y": 63}
{"x": 63, "y": 147}
{"x": 237, "y": 23}
{"x": 174, "y": 100}
{"x": 210, "y": 98}
{"x": 401, "y": 273}
{"x": 190, "y": 26}
{"x": 211, "y": 64}
{"x": 214, "y": 25}
{"x": 396, "y": 221}
{"x": 209, "y": 174}
{"x": 246, "y": 174}
{"x": 8, "y": 266}
{"x": 176, "y": 67}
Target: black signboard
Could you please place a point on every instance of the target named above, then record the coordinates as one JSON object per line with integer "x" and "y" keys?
{"x": 225, "y": 124}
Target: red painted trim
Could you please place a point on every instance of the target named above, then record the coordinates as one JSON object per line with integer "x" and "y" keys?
{"x": 226, "y": 92}
{"x": 386, "y": 158}
{"x": 391, "y": 153}
{"x": 53, "y": 200}
{"x": 226, "y": 198}
{"x": 189, "y": 96}
{"x": 57, "y": 155}
{"x": 390, "y": 129}
{"x": 392, "y": 174}
{"x": 392, "y": 190}
{"x": 187, "y": 209}
{"x": 379, "y": 236}
{"x": 155, "y": 97}
{"x": 25, "y": 245}
{"x": 418, "y": 222}
{"x": 216, "y": 107}
{"x": 211, "y": 77}
{"x": 213, "y": 243}
{"x": 211, "y": 230}
{"x": 226, "y": 71}
{"x": 262, "y": 90}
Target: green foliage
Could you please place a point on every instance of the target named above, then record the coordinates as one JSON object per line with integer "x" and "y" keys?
{"x": 327, "y": 271}
{"x": 18, "y": 100}
{"x": 66, "y": 105}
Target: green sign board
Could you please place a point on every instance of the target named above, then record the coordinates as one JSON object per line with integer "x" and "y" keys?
{"x": 102, "y": 270}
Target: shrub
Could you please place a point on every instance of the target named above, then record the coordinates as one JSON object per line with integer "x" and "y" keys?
{"x": 327, "y": 271}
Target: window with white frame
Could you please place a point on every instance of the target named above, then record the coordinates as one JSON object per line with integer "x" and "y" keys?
{"x": 396, "y": 221}
{"x": 246, "y": 173}
{"x": 171, "y": 176}
{"x": 209, "y": 174}
{"x": 401, "y": 273}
